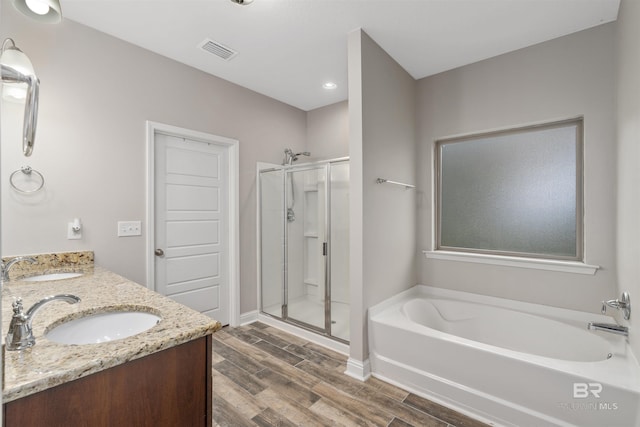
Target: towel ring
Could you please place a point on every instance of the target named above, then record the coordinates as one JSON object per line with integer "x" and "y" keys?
{"x": 29, "y": 172}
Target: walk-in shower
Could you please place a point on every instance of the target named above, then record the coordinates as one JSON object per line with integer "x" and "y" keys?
{"x": 304, "y": 244}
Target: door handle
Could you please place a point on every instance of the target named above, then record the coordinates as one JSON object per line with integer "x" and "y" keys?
{"x": 159, "y": 252}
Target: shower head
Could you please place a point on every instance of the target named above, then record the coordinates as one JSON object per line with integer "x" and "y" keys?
{"x": 290, "y": 156}
{"x": 294, "y": 157}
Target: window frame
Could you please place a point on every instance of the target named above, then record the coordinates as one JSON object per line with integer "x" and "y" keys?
{"x": 579, "y": 221}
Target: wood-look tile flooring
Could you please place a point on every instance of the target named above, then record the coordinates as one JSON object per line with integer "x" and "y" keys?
{"x": 265, "y": 377}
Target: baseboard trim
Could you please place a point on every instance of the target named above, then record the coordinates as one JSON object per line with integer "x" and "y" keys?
{"x": 360, "y": 370}
{"x": 248, "y": 317}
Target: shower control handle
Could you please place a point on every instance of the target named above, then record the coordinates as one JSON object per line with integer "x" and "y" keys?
{"x": 159, "y": 252}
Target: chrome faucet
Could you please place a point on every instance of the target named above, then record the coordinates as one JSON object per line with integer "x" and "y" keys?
{"x": 20, "y": 335}
{"x": 609, "y": 327}
{"x": 6, "y": 267}
{"x": 624, "y": 304}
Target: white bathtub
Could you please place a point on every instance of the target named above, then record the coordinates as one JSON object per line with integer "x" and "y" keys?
{"x": 505, "y": 362}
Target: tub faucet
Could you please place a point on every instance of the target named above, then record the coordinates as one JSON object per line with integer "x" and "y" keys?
{"x": 20, "y": 335}
{"x": 6, "y": 267}
{"x": 609, "y": 327}
{"x": 624, "y": 304}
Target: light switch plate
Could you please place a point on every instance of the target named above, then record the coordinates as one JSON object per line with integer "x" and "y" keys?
{"x": 129, "y": 228}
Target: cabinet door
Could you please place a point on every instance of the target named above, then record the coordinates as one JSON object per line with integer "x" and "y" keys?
{"x": 169, "y": 388}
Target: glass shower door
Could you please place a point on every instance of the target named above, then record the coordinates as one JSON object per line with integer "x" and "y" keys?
{"x": 306, "y": 245}
{"x": 272, "y": 241}
{"x": 338, "y": 282}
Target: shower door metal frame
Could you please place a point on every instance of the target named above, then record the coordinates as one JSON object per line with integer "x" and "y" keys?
{"x": 328, "y": 318}
{"x": 285, "y": 307}
{"x": 327, "y": 251}
{"x": 326, "y": 331}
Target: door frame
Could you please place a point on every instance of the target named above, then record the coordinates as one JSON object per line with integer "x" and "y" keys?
{"x": 232, "y": 147}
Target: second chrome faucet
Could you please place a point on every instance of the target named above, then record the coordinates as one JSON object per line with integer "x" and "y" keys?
{"x": 624, "y": 304}
{"x": 609, "y": 327}
{"x": 6, "y": 267}
{"x": 20, "y": 335}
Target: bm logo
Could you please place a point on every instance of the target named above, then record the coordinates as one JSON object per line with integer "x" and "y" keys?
{"x": 584, "y": 390}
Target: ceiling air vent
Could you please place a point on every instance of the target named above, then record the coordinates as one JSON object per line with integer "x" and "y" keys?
{"x": 218, "y": 49}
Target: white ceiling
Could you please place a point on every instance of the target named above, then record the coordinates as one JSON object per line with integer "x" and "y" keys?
{"x": 288, "y": 48}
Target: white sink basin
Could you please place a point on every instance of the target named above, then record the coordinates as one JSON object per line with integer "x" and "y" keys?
{"x": 52, "y": 276}
{"x": 103, "y": 327}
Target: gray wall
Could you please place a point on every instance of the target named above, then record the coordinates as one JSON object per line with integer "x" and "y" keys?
{"x": 96, "y": 94}
{"x": 328, "y": 131}
{"x": 382, "y": 144}
{"x": 628, "y": 63}
{"x": 566, "y": 77}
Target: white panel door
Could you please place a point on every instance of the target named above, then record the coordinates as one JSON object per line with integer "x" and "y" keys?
{"x": 191, "y": 228}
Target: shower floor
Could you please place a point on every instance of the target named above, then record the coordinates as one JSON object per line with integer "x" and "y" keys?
{"x": 311, "y": 311}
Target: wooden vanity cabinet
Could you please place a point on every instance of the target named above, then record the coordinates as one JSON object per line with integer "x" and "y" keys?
{"x": 170, "y": 388}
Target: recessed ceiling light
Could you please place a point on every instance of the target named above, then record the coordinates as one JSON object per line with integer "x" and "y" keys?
{"x": 242, "y": 2}
{"x": 329, "y": 85}
{"x": 47, "y": 11}
{"x": 37, "y": 7}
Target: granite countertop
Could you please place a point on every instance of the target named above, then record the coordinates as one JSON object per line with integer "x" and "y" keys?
{"x": 49, "y": 364}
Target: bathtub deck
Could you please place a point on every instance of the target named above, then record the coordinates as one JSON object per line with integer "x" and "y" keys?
{"x": 265, "y": 377}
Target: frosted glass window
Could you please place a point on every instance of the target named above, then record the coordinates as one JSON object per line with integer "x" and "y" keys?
{"x": 517, "y": 192}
